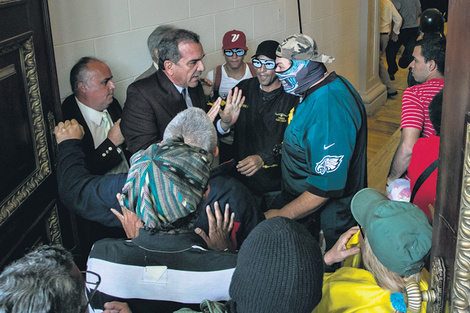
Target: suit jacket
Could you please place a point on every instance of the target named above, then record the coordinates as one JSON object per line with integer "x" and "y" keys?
{"x": 151, "y": 104}
{"x": 151, "y": 70}
{"x": 106, "y": 156}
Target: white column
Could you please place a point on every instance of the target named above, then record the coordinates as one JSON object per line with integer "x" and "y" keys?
{"x": 371, "y": 89}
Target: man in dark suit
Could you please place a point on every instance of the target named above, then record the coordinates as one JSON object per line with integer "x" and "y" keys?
{"x": 92, "y": 104}
{"x": 153, "y": 101}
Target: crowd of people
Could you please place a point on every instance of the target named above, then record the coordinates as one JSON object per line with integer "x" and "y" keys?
{"x": 242, "y": 191}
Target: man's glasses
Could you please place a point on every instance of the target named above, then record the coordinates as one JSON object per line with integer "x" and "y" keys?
{"x": 269, "y": 64}
{"x": 92, "y": 281}
{"x": 238, "y": 52}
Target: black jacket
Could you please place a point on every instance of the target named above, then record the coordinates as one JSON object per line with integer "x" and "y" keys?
{"x": 106, "y": 156}
{"x": 259, "y": 130}
{"x": 91, "y": 196}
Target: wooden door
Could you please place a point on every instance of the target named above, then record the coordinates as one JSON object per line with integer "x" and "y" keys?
{"x": 29, "y": 100}
{"x": 451, "y": 232}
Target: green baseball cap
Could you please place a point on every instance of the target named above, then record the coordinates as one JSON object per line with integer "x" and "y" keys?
{"x": 399, "y": 232}
{"x": 301, "y": 47}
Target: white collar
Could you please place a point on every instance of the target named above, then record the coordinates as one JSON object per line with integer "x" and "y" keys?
{"x": 90, "y": 114}
{"x": 180, "y": 89}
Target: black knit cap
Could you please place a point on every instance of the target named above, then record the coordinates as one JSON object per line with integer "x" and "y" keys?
{"x": 267, "y": 48}
{"x": 279, "y": 269}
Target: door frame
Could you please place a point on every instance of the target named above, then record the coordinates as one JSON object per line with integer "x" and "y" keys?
{"x": 451, "y": 226}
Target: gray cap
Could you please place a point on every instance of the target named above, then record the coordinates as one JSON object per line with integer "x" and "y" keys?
{"x": 301, "y": 47}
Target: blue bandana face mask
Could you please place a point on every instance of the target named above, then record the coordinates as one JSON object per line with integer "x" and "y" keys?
{"x": 288, "y": 78}
{"x": 301, "y": 76}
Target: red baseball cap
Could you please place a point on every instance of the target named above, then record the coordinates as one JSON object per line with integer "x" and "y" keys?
{"x": 234, "y": 39}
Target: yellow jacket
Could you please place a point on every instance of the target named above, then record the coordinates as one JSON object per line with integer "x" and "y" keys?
{"x": 354, "y": 290}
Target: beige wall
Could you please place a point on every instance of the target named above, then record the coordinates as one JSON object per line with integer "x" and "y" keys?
{"x": 116, "y": 31}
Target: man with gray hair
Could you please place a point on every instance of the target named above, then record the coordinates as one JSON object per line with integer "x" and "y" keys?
{"x": 195, "y": 128}
{"x": 91, "y": 196}
{"x": 166, "y": 264}
{"x": 45, "y": 280}
{"x": 153, "y": 102}
{"x": 152, "y": 43}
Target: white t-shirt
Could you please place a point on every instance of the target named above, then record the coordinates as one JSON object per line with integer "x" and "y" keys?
{"x": 227, "y": 83}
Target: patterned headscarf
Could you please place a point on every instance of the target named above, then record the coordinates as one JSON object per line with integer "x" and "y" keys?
{"x": 166, "y": 182}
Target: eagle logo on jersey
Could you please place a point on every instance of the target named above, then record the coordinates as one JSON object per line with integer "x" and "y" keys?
{"x": 328, "y": 164}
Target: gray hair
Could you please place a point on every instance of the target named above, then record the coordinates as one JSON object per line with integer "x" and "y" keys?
{"x": 40, "y": 282}
{"x": 384, "y": 277}
{"x": 155, "y": 37}
{"x": 79, "y": 72}
{"x": 195, "y": 127}
{"x": 168, "y": 48}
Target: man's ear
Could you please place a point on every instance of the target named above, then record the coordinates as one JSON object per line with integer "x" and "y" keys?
{"x": 155, "y": 53}
{"x": 168, "y": 66}
{"x": 216, "y": 152}
{"x": 82, "y": 87}
{"x": 432, "y": 65}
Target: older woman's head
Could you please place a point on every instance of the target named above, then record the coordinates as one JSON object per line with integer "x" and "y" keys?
{"x": 398, "y": 233}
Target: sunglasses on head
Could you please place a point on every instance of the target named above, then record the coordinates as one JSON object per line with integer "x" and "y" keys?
{"x": 269, "y": 64}
{"x": 238, "y": 52}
